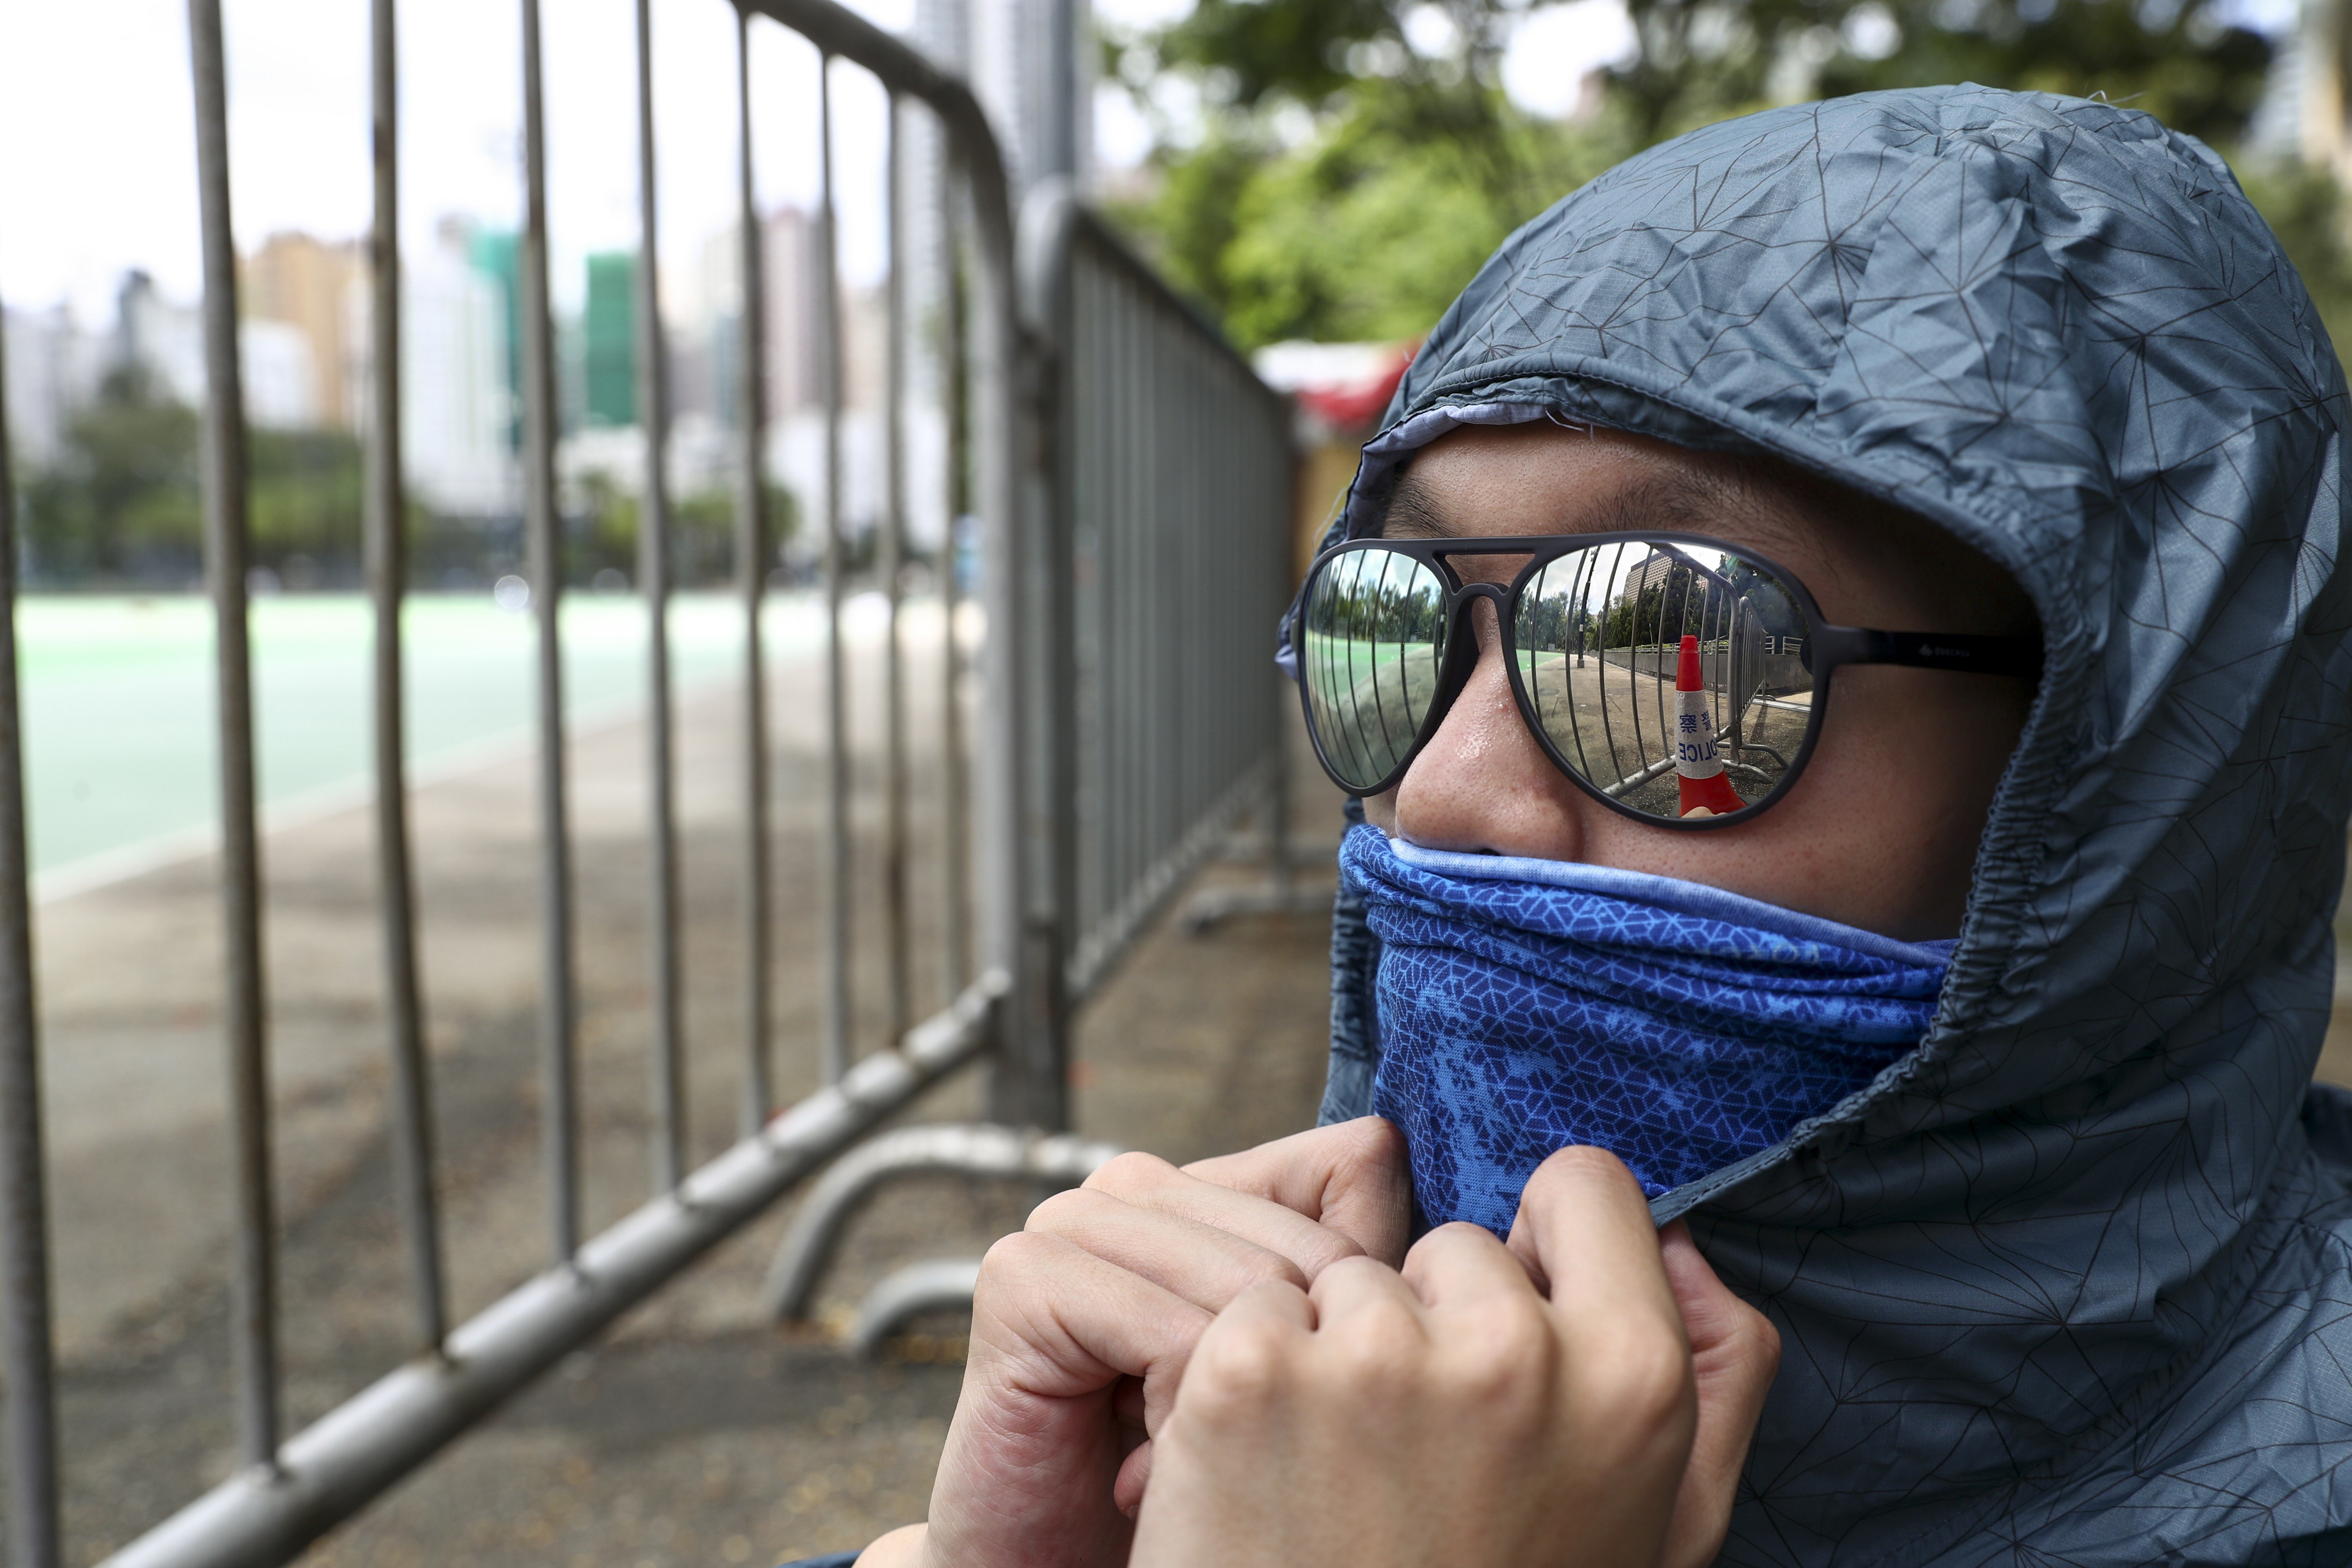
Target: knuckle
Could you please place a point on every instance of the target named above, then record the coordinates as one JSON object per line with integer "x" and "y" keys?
{"x": 1640, "y": 1375}
{"x": 1240, "y": 1367}
{"x": 1012, "y": 1256}
{"x": 1512, "y": 1342}
{"x": 1063, "y": 1210}
{"x": 1129, "y": 1173}
{"x": 1371, "y": 1141}
{"x": 1013, "y": 1266}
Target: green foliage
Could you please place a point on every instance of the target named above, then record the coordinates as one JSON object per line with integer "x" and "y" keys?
{"x": 1413, "y": 167}
{"x": 2178, "y": 59}
{"x": 123, "y": 493}
{"x": 2307, "y": 211}
{"x": 1368, "y": 230}
{"x": 123, "y": 501}
{"x": 602, "y": 532}
{"x": 1343, "y": 185}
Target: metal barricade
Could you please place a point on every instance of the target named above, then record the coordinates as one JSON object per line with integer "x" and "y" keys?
{"x": 1168, "y": 500}
{"x": 1131, "y": 478}
{"x": 1156, "y": 497}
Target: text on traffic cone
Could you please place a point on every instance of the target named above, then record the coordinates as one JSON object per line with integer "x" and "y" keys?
{"x": 1699, "y": 765}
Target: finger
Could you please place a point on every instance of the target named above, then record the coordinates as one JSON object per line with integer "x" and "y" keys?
{"x": 1054, "y": 1320}
{"x": 1259, "y": 1331}
{"x": 1352, "y": 1178}
{"x": 1735, "y": 1351}
{"x": 1206, "y": 1266}
{"x": 1127, "y": 1488}
{"x": 1358, "y": 1288}
{"x": 1151, "y": 1182}
{"x": 1461, "y": 1264}
{"x": 1584, "y": 1231}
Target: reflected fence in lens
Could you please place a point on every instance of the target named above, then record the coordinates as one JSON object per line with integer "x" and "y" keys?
{"x": 1373, "y": 634}
{"x": 1599, "y": 637}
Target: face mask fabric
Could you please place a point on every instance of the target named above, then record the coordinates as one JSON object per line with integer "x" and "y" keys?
{"x": 1529, "y": 1005}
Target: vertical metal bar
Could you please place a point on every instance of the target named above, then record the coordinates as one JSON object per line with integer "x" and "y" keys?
{"x": 387, "y": 574}
{"x": 751, "y": 575}
{"x": 897, "y": 1003}
{"x": 652, "y": 568}
{"x": 836, "y": 696}
{"x": 1001, "y": 440}
{"x": 558, "y": 1029}
{"x": 955, "y": 791}
{"x": 27, "y": 1353}
{"x": 256, "y": 1297}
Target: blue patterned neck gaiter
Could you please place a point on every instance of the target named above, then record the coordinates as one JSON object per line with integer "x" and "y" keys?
{"x": 1526, "y": 1006}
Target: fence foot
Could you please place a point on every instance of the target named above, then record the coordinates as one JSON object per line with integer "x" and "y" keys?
{"x": 970, "y": 1149}
{"x": 934, "y": 1285}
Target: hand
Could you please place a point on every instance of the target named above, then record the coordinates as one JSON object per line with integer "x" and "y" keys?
{"x": 1530, "y": 1405}
{"x": 1081, "y": 1324}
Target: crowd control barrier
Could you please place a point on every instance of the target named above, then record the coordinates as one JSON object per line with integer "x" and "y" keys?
{"x": 1130, "y": 478}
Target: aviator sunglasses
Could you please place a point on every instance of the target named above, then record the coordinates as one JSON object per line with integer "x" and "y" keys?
{"x": 1675, "y": 679}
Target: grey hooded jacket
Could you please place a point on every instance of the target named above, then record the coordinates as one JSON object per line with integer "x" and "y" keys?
{"x": 2072, "y": 1284}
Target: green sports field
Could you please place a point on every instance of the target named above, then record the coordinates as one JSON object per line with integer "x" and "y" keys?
{"x": 119, "y": 698}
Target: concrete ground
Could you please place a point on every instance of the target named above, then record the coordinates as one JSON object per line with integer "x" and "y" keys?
{"x": 695, "y": 1432}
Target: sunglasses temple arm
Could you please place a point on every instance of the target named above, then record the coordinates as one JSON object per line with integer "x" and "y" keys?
{"x": 1926, "y": 650}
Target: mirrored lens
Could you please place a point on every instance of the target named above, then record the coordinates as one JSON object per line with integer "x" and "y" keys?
{"x": 1675, "y": 680}
{"x": 1371, "y": 637}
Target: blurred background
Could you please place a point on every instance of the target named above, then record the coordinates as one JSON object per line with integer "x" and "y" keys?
{"x": 1318, "y": 178}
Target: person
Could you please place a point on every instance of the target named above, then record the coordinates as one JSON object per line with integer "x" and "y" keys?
{"x": 1950, "y": 986}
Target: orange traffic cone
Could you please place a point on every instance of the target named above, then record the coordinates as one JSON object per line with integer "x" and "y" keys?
{"x": 1699, "y": 766}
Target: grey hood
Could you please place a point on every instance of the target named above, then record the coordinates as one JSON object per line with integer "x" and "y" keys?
{"x": 2070, "y": 1284}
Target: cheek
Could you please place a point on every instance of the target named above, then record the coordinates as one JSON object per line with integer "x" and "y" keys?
{"x": 1898, "y": 790}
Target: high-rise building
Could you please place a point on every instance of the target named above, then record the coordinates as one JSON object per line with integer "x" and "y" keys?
{"x": 317, "y": 289}
{"x": 457, "y": 407}
{"x": 54, "y": 369}
{"x": 161, "y": 337}
{"x": 794, "y": 301}
{"x": 609, "y": 327}
{"x": 495, "y": 254}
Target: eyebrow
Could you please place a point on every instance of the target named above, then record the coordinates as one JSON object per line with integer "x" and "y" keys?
{"x": 1677, "y": 500}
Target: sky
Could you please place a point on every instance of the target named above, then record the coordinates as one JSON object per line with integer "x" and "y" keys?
{"x": 96, "y": 109}
{"x": 95, "y": 105}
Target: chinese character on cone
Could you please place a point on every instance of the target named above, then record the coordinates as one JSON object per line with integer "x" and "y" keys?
{"x": 1699, "y": 766}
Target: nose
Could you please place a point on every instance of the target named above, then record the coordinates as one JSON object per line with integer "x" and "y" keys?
{"x": 1482, "y": 785}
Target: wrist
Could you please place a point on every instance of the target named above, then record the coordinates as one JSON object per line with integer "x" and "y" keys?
{"x": 901, "y": 1547}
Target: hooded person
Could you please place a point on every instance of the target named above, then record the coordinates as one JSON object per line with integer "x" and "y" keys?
{"x": 2061, "y": 1272}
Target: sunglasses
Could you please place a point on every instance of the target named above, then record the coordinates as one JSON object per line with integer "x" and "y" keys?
{"x": 1675, "y": 679}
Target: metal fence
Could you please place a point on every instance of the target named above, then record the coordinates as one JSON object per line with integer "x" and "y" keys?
{"x": 1132, "y": 483}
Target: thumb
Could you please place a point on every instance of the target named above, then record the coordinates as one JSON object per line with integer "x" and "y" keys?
{"x": 1351, "y": 1178}
{"x": 1735, "y": 1351}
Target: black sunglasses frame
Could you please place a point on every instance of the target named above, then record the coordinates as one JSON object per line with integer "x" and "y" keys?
{"x": 1828, "y": 645}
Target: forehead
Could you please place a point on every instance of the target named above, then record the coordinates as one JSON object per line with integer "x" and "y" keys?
{"x": 1546, "y": 480}
{"x": 1866, "y": 563}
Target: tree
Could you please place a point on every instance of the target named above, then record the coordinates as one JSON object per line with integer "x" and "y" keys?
{"x": 1355, "y": 161}
{"x": 120, "y": 498}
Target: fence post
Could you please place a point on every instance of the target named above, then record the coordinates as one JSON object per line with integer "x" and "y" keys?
{"x": 226, "y": 519}
{"x": 1029, "y": 1085}
{"x": 27, "y": 1354}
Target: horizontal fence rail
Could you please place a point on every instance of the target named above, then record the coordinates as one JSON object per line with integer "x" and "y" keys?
{"x": 1129, "y": 479}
